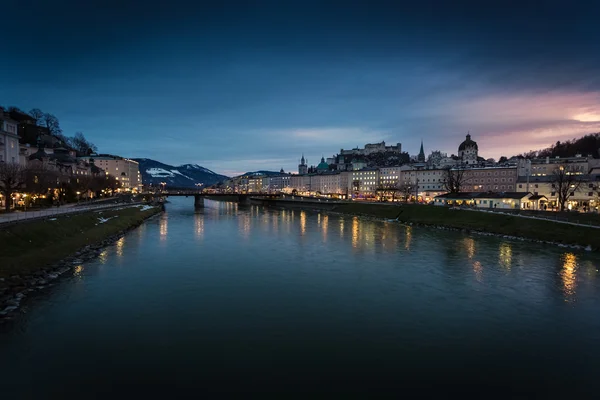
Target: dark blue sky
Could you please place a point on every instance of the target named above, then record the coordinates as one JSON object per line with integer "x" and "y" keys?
{"x": 253, "y": 85}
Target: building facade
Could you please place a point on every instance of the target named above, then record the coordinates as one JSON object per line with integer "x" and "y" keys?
{"x": 303, "y": 166}
{"x": 9, "y": 139}
{"x": 468, "y": 151}
{"x": 492, "y": 179}
{"x": 364, "y": 182}
{"x": 126, "y": 171}
{"x": 372, "y": 148}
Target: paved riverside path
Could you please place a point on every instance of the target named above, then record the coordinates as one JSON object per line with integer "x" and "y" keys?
{"x": 56, "y": 211}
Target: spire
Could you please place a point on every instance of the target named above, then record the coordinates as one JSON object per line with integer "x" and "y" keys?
{"x": 302, "y": 159}
{"x": 421, "y": 156}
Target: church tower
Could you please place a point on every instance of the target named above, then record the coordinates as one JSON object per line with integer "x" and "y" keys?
{"x": 303, "y": 167}
{"x": 421, "y": 156}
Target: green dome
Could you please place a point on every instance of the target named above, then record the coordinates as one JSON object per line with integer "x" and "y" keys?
{"x": 323, "y": 165}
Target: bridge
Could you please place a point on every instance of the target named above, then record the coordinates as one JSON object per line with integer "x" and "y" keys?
{"x": 199, "y": 196}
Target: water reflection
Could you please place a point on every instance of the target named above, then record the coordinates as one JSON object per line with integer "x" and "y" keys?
{"x": 302, "y": 222}
{"x": 341, "y": 228}
{"x": 199, "y": 225}
{"x": 469, "y": 244}
{"x": 478, "y": 269}
{"x": 325, "y": 226}
{"x": 78, "y": 271}
{"x": 103, "y": 256}
{"x": 244, "y": 225}
{"x": 164, "y": 220}
{"x": 119, "y": 246}
{"x": 408, "y": 237}
{"x": 505, "y": 255}
{"x": 355, "y": 232}
{"x": 567, "y": 275}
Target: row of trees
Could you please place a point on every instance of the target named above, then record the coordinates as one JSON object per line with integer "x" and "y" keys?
{"x": 43, "y": 181}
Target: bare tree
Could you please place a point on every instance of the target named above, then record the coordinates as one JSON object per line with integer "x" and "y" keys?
{"x": 37, "y": 114}
{"x": 40, "y": 179}
{"x": 565, "y": 181}
{"x": 356, "y": 186}
{"x": 82, "y": 145}
{"x": 51, "y": 122}
{"x": 12, "y": 178}
{"x": 454, "y": 179}
{"x": 405, "y": 190}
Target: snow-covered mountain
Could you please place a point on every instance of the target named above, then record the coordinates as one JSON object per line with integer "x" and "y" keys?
{"x": 182, "y": 176}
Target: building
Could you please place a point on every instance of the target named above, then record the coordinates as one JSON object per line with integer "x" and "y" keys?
{"x": 126, "y": 171}
{"x": 586, "y": 194}
{"x": 502, "y": 200}
{"x": 489, "y": 179}
{"x": 303, "y": 166}
{"x": 323, "y": 166}
{"x": 331, "y": 183}
{"x": 278, "y": 183}
{"x": 546, "y": 166}
{"x": 468, "y": 151}
{"x": 371, "y": 149}
{"x": 364, "y": 182}
{"x": 9, "y": 139}
{"x": 255, "y": 183}
{"x": 424, "y": 184}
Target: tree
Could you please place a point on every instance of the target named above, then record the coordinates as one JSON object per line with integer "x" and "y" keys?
{"x": 12, "y": 178}
{"x": 51, "y": 122}
{"x": 503, "y": 159}
{"x": 81, "y": 145}
{"x": 565, "y": 182}
{"x": 454, "y": 179}
{"x": 37, "y": 114}
{"x": 40, "y": 179}
{"x": 405, "y": 190}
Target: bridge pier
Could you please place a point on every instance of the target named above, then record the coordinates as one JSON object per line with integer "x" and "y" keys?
{"x": 243, "y": 199}
{"x": 198, "y": 201}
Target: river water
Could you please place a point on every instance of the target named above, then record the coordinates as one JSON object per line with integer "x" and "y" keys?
{"x": 235, "y": 298}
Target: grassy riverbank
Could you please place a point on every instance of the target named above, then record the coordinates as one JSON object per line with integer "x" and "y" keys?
{"x": 28, "y": 246}
{"x": 480, "y": 221}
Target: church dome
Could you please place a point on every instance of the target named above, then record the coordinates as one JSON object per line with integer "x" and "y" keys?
{"x": 467, "y": 143}
{"x": 323, "y": 165}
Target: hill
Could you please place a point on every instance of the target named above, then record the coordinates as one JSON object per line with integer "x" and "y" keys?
{"x": 585, "y": 145}
{"x": 182, "y": 176}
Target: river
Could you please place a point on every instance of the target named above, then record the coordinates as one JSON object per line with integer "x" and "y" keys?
{"x": 241, "y": 298}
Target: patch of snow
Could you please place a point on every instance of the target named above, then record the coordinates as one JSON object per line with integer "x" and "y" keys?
{"x": 179, "y": 173}
{"x": 159, "y": 173}
{"x": 52, "y": 219}
{"x": 103, "y": 220}
{"x": 146, "y": 207}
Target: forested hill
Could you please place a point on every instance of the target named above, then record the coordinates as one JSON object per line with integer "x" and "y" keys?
{"x": 586, "y": 145}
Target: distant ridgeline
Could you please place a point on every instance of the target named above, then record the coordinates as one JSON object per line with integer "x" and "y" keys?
{"x": 182, "y": 176}
{"x": 586, "y": 145}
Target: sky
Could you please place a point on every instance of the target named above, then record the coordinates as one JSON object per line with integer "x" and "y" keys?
{"x": 240, "y": 86}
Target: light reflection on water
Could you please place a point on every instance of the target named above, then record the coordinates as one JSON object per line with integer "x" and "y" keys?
{"x": 164, "y": 222}
{"x": 378, "y": 292}
{"x": 119, "y": 246}
{"x": 505, "y": 255}
{"x": 568, "y": 275}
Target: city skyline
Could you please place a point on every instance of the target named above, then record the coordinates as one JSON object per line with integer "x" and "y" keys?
{"x": 238, "y": 88}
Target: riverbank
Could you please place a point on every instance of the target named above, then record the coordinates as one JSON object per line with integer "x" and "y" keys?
{"x": 33, "y": 253}
{"x": 466, "y": 220}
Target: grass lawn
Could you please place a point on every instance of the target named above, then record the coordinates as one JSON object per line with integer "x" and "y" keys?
{"x": 28, "y": 246}
{"x": 480, "y": 221}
